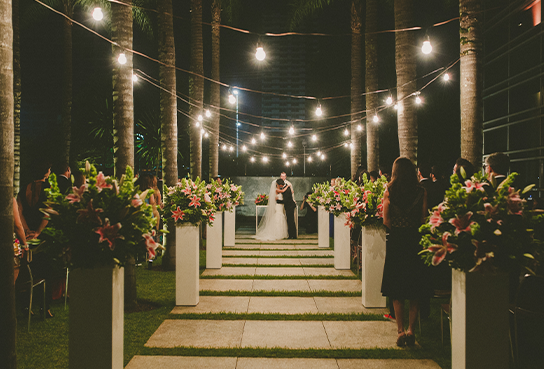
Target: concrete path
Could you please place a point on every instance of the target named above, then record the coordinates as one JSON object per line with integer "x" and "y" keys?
{"x": 284, "y": 258}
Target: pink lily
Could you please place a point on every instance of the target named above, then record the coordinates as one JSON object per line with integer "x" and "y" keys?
{"x": 476, "y": 185}
{"x": 435, "y": 219}
{"x": 195, "y": 201}
{"x": 101, "y": 182}
{"x": 89, "y": 214}
{"x": 77, "y": 194}
{"x": 441, "y": 250}
{"x": 109, "y": 233}
{"x": 462, "y": 224}
{"x": 150, "y": 244}
{"x": 136, "y": 201}
{"x": 177, "y": 214}
{"x": 186, "y": 191}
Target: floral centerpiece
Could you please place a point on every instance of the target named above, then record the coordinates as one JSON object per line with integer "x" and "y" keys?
{"x": 261, "y": 199}
{"x": 103, "y": 222}
{"x": 478, "y": 227}
{"x": 236, "y": 194}
{"x": 339, "y": 199}
{"x": 189, "y": 202}
{"x": 365, "y": 203}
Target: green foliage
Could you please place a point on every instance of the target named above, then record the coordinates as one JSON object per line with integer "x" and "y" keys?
{"x": 101, "y": 223}
{"x": 188, "y": 202}
{"x": 261, "y": 199}
{"x": 366, "y": 203}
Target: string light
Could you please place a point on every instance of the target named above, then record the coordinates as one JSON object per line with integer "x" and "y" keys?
{"x": 292, "y": 130}
{"x": 351, "y": 145}
{"x": 395, "y": 107}
{"x": 294, "y": 161}
{"x": 346, "y": 132}
{"x": 346, "y": 144}
{"x": 289, "y": 144}
{"x": 197, "y": 124}
{"x": 314, "y": 138}
{"x": 208, "y": 113}
{"x": 376, "y": 119}
{"x": 232, "y": 98}
{"x": 359, "y": 127}
{"x": 284, "y": 155}
{"x": 206, "y": 135}
{"x": 446, "y": 77}
{"x": 134, "y": 78}
{"x": 202, "y": 132}
{"x": 252, "y": 159}
{"x": 122, "y": 59}
{"x": 200, "y": 117}
{"x": 426, "y": 48}
{"x": 244, "y": 148}
{"x": 389, "y": 100}
{"x": 318, "y": 110}
{"x": 322, "y": 156}
{"x": 225, "y": 147}
{"x": 262, "y": 136}
{"x": 309, "y": 158}
{"x": 418, "y": 99}
{"x": 260, "y": 54}
{"x": 265, "y": 159}
{"x": 231, "y": 148}
{"x": 319, "y": 153}
{"x": 287, "y": 163}
{"x": 253, "y": 141}
{"x": 97, "y": 14}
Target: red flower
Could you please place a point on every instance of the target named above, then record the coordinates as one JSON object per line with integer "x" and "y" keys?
{"x": 379, "y": 212}
{"x": 435, "y": 219}
{"x": 195, "y": 201}
{"x": 441, "y": 250}
{"x": 109, "y": 233}
{"x": 101, "y": 182}
{"x": 462, "y": 224}
{"x": 150, "y": 244}
{"x": 89, "y": 214}
{"x": 178, "y": 214}
{"x": 136, "y": 201}
{"x": 186, "y": 191}
{"x": 76, "y": 195}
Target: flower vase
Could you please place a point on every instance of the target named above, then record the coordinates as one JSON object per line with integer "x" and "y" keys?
{"x": 372, "y": 260}
{"x": 96, "y": 318}
{"x": 341, "y": 243}
{"x": 479, "y": 316}
{"x": 322, "y": 227}
{"x": 187, "y": 264}
{"x": 214, "y": 242}
{"x": 230, "y": 227}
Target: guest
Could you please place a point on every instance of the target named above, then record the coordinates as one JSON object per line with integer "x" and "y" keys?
{"x": 386, "y": 172}
{"x": 405, "y": 207}
{"x": 434, "y": 197}
{"x": 156, "y": 192}
{"x": 496, "y": 168}
{"x": 440, "y": 177}
{"x": 64, "y": 178}
{"x": 20, "y": 234}
{"x": 373, "y": 176}
{"x": 467, "y": 166}
{"x": 79, "y": 179}
{"x": 311, "y": 215}
{"x": 358, "y": 177}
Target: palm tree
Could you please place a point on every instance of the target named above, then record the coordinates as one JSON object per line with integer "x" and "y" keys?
{"x": 8, "y": 322}
{"x": 356, "y": 86}
{"x": 215, "y": 94}
{"x": 371, "y": 82}
{"x": 470, "y": 33}
{"x": 196, "y": 88}
{"x": 405, "y": 61}
{"x": 16, "y": 97}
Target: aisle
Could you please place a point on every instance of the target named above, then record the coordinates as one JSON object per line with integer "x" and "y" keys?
{"x": 271, "y": 299}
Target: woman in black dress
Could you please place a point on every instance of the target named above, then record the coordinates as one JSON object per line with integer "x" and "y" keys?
{"x": 404, "y": 273}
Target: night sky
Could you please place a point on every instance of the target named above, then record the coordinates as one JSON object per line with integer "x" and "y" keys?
{"x": 328, "y": 75}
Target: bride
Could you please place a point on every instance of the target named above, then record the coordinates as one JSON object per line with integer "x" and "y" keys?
{"x": 273, "y": 225}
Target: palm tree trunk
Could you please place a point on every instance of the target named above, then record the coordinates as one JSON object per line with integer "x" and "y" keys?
{"x": 123, "y": 116}
{"x": 196, "y": 88}
{"x": 169, "y": 121}
{"x": 215, "y": 94}
{"x": 67, "y": 83}
{"x": 356, "y": 85}
{"x": 8, "y": 322}
{"x": 405, "y": 60}
{"x": 470, "y": 33}
{"x": 16, "y": 98}
{"x": 371, "y": 81}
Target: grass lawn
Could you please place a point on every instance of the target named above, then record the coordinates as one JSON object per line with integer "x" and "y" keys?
{"x": 46, "y": 346}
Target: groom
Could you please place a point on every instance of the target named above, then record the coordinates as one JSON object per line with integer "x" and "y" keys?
{"x": 289, "y": 204}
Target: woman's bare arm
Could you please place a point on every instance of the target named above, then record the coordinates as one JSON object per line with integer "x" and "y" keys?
{"x": 18, "y": 225}
{"x": 386, "y": 215}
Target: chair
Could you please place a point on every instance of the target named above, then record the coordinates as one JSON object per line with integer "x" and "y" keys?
{"x": 31, "y": 284}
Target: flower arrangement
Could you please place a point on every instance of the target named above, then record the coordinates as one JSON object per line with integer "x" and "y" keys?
{"x": 236, "y": 194}
{"x": 478, "y": 227}
{"x": 225, "y": 196}
{"x": 261, "y": 199}
{"x": 189, "y": 202}
{"x": 365, "y": 203}
{"x": 338, "y": 199}
{"x": 100, "y": 223}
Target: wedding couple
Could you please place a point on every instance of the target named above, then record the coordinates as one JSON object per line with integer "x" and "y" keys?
{"x": 278, "y": 221}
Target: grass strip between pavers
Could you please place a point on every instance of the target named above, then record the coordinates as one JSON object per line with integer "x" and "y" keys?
{"x": 280, "y": 265}
{"x": 412, "y": 353}
{"x": 278, "y": 316}
{"x": 279, "y": 244}
{"x": 247, "y": 276}
{"x": 281, "y": 256}
{"x": 319, "y": 293}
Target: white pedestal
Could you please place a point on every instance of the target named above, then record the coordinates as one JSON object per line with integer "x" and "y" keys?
{"x": 373, "y": 258}
{"x": 214, "y": 243}
{"x": 96, "y": 318}
{"x": 479, "y": 321}
{"x": 230, "y": 227}
{"x": 341, "y": 243}
{"x": 322, "y": 227}
{"x": 187, "y": 263}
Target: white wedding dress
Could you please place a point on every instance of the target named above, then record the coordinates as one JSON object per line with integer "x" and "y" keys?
{"x": 273, "y": 225}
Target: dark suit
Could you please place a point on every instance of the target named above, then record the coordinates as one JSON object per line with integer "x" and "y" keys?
{"x": 290, "y": 206}
{"x": 434, "y": 197}
{"x": 63, "y": 183}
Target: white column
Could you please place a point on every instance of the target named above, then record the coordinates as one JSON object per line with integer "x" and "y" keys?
{"x": 322, "y": 227}
{"x": 479, "y": 320}
{"x": 230, "y": 227}
{"x": 96, "y": 318}
{"x": 341, "y": 243}
{"x": 372, "y": 259}
{"x": 187, "y": 263}
{"x": 214, "y": 242}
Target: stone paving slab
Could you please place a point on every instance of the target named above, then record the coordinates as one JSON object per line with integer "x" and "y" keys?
{"x": 357, "y": 334}
{"x": 285, "y": 334}
{"x": 241, "y": 252}
{"x": 282, "y": 305}
{"x": 317, "y": 261}
{"x": 315, "y": 253}
{"x": 386, "y": 364}
{"x": 344, "y": 305}
{"x": 226, "y": 284}
{"x": 230, "y": 271}
{"x": 240, "y": 261}
{"x": 295, "y": 363}
{"x": 281, "y": 285}
{"x": 279, "y": 261}
{"x": 216, "y": 304}
{"x": 197, "y": 333}
{"x": 278, "y": 253}
{"x": 181, "y": 362}
{"x": 279, "y": 271}
{"x": 306, "y": 247}
{"x": 325, "y": 271}
{"x": 349, "y": 285}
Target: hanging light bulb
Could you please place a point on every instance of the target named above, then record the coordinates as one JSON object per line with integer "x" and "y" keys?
{"x": 208, "y": 113}
{"x": 389, "y": 100}
{"x": 395, "y": 107}
{"x": 351, "y": 145}
{"x": 289, "y": 144}
{"x": 314, "y": 138}
{"x": 231, "y": 148}
{"x": 197, "y": 124}
{"x": 284, "y": 155}
{"x": 122, "y": 59}
{"x": 200, "y": 117}
{"x": 346, "y": 144}
{"x": 294, "y": 161}
{"x": 418, "y": 99}
{"x": 202, "y": 132}
{"x": 309, "y": 158}
{"x": 265, "y": 159}
{"x": 97, "y": 14}
{"x": 260, "y": 54}
{"x": 244, "y": 148}
{"x": 359, "y": 127}
{"x": 287, "y": 163}
{"x": 319, "y": 153}
{"x": 427, "y": 47}
{"x": 225, "y": 147}
{"x": 292, "y": 130}
{"x": 253, "y": 141}
{"x": 206, "y": 135}
{"x": 446, "y": 77}
{"x": 252, "y": 159}
{"x": 376, "y": 119}
{"x": 232, "y": 98}
{"x": 318, "y": 110}
{"x": 322, "y": 156}
{"x": 262, "y": 136}
{"x": 134, "y": 78}
{"x": 346, "y": 132}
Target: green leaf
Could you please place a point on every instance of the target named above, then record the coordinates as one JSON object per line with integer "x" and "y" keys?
{"x": 528, "y": 188}
{"x": 529, "y": 256}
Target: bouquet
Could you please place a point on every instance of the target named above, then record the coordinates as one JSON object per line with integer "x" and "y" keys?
{"x": 339, "y": 199}
{"x": 103, "y": 222}
{"x": 365, "y": 203}
{"x": 261, "y": 199}
{"x": 236, "y": 194}
{"x": 478, "y": 227}
{"x": 189, "y": 202}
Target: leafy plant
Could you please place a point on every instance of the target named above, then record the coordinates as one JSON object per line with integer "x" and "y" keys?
{"x": 189, "y": 202}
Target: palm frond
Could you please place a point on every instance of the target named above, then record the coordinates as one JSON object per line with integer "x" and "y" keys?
{"x": 143, "y": 18}
{"x": 302, "y": 9}
{"x": 231, "y": 11}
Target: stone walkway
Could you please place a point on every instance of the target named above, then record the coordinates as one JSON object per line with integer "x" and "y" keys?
{"x": 284, "y": 258}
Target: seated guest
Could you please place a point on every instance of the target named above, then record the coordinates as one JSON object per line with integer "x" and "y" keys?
{"x": 496, "y": 168}
{"x": 311, "y": 215}
{"x": 64, "y": 178}
{"x": 467, "y": 167}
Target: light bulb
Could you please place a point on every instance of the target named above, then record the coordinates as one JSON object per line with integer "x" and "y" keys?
{"x": 252, "y": 159}
{"x": 206, "y": 135}
{"x": 287, "y": 163}
{"x": 244, "y": 148}
{"x": 359, "y": 127}
{"x": 197, "y": 124}
{"x": 446, "y": 77}
{"x": 346, "y": 132}
{"x": 322, "y": 156}
{"x": 294, "y": 161}
{"x": 427, "y": 47}
{"x": 376, "y": 119}
{"x": 134, "y": 78}
{"x": 389, "y": 100}
{"x": 253, "y": 141}
{"x": 232, "y": 99}
{"x": 395, "y": 107}
{"x": 314, "y": 138}
{"x": 231, "y": 148}
{"x": 346, "y": 144}
{"x": 208, "y": 113}
{"x": 122, "y": 59}
{"x": 262, "y": 136}
{"x": 292, "y": 131}
{"x": 200, "y": 117}
{"x": 351, "y": 145}
{"x": 319, "y": 153}
{"x": 260, "y": 54}
{"x": 265, "y": 159}
{"x": 309, "y": 158}
{"x": 318, "y": 110}
{"x": 418, "y": 100}
{"x": 284, "y": 155}
{"x": 224, "y": 147}
{"x": 97, "y": 14}
{"x": 289, "y": 144}
{"x": 235, "y": 91}
{"x": 202, "y": 132}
